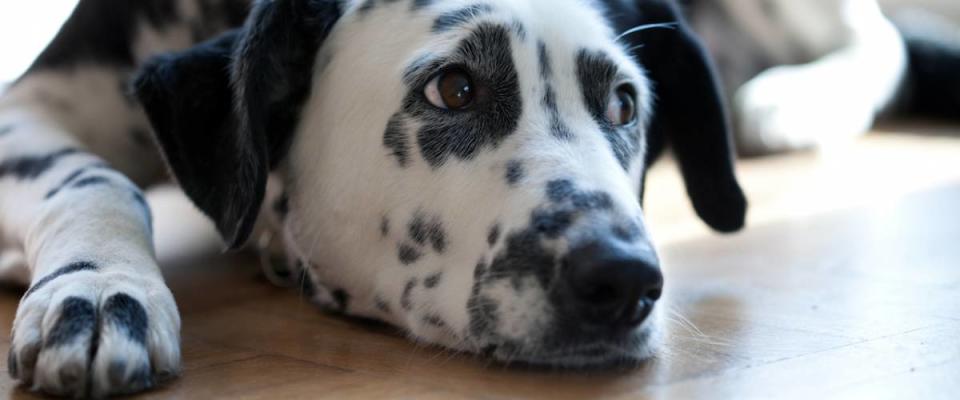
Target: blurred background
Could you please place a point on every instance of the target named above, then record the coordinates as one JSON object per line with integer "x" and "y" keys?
{"x": 914, "y": 154}
{"x": 844, "y": 285}
{"x": 27, "y": 26}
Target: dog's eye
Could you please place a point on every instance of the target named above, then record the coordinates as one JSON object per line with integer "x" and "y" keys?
{"x": 451, "y": 90}
{"x": 622, "y": 108}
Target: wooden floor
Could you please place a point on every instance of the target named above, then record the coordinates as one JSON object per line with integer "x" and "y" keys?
{"x": 846, "y": 285}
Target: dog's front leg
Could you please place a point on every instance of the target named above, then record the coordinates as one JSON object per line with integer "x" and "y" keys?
{"x": 98, "y": 318}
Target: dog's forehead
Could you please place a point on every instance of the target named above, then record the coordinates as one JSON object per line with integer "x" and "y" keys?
{"x": 568, "y": 25}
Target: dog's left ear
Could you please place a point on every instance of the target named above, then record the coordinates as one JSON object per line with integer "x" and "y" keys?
{"x": 224, "y": 111}
{"x": 689, "y": 112}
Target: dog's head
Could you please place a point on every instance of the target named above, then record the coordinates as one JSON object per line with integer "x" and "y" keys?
{"x": 469, "y": 170}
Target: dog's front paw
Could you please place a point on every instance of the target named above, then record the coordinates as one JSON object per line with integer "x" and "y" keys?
{"x": 95, "y": 334}
{"x": 798, "y": 107}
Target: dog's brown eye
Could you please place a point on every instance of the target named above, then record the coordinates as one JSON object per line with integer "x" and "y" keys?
{"x": 451, "y": 90}
{"x": 622, "y": 108}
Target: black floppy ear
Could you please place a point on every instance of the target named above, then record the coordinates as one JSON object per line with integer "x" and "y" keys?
{"x": 224, "y": 111}
{"x": 689, "y": 112}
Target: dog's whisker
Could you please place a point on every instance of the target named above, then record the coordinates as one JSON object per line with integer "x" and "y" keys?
{"x": 644, "y": 27}
{"x": 631, "y": 50}
{"x": 685, "y": 322}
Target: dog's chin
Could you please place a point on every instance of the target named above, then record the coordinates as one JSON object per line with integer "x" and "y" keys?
{"x": 632, "y": 351}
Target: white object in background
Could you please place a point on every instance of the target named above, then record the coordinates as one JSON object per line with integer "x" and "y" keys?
{"x": 26, "y": 27}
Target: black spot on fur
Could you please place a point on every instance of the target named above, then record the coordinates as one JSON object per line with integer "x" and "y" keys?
{"x": 438, "y": 238}
{"x": 144, "y": 207}
{"x": 422, "y": 230}
{"x": 586, "y": 201}
{"x": 550, "y": 99}
{"x": 395, "y": 139}
{"x": 282, "y": 206}
{"x": 71, "y": 178}
{"x": 543, "y": 55}
{"x": 524, "y": 256}
{"x": 434, "y": 321}
{"x": 552, "y": 224}
{"x": 408, "y": 254}
{"x": 90, "y": 181}
{"x": 494, "y": 235}
{"x": 418, "y": 229}
{"x": 597, "y": 74}
{"x": 384, "y": 226}
{"x": 519, "y": 30}
{"x": 433, "y": 280}
{"x": 460, "y": 17}
{"x": 69, "y": 269}
{"x": 628, "y": 231}
{"x": 515, "y": 172}
{"x": 140, "y": 379}
{"x": 342, "y": 299}
{"x": 78, "y": 319}
{"x": 560, "y": 190}
{"x": 495, "y": 115}
{"x": 557, "y": 127}
{"x": 406, "y": 300}
{"x": 418, "y": 4}
{"x": 127, "y": 315}
{"x": 382, "y": 305}
{"x": 31, "y": 167}
{"x": 483, "y": 310}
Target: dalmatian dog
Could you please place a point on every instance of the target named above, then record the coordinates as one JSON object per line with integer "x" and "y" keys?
{"x": 470, "y": 171}
{"x": 809, "y": 74}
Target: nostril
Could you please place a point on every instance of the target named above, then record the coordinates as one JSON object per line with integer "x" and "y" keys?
{"x": 599, "y": 294}
{"x": 653, "y": 294}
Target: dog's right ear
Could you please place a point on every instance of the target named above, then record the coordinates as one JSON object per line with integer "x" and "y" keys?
{"x": 689, "y": 111}
{"x": 224, "y": 111}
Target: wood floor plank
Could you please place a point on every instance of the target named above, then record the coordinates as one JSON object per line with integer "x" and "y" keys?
{"x": 829, "y": 372}
{"x": 272, "y": 377}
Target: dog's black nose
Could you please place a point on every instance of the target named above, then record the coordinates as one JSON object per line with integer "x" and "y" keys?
{"x": 612, "y": 284}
